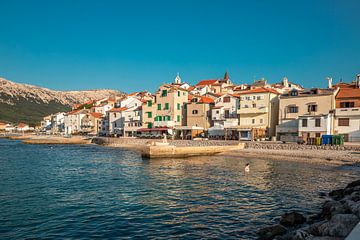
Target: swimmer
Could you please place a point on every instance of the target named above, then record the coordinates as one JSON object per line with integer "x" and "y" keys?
{"x": 247, "y": 167}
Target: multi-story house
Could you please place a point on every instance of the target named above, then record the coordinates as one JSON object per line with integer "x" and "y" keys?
{"x": 116, "y": 118}
{"x": 73, "y": 120}
{"x": 224, "y": 114}
{"x": 258, "y": 113}
{"x": 199, "y": 113}
{"x": 347, "y": 112}
{"x": 306, "y": 113}
{"x": 91, "y": 123}
{"x": 286, "y": 86}
{"x": 167, "y": 109}
{"x": 57, "y": 123}
{"x": 219, "y": 86}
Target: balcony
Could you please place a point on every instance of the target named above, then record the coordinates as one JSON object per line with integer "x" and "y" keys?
{"x": 347, "y": 112}
{"x": 164, "y": 124}
{"x": 260, "y": 110}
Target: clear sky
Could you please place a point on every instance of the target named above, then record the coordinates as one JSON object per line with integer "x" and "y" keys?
{"x": 137, "y": 45}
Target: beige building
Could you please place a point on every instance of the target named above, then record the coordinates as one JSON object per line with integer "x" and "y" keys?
{"x": 258, "y": 113}
{"x": 199, "y": 112}
{"x": 306, "y": 113}
{"x": 166, "y": 110}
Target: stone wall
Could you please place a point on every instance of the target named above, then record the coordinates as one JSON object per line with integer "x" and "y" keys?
{"x": 289, "y": 146}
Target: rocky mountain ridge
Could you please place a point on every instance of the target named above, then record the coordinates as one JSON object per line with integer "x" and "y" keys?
{"x": 28, "y": 103}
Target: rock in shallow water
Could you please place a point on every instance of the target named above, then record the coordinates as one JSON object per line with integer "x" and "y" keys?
{"x": 292, "y": 219}
{"x": 268, "y": 233}
{"x": 340, "y": 225}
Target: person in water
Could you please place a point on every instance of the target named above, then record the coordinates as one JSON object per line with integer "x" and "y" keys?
{"x": 247, "y": 167}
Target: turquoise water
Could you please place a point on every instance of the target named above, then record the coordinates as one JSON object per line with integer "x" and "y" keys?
{"x": 82, "y": 192}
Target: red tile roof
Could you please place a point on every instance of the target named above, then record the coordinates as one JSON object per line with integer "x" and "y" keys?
{"x": 118, "y": 109}
{"x": 259, "y": 90}
{"x": 72, "y": 112}
{"x": 96, "y": 115}
{"x": 22, "y": 125}
{"x": 348, "y": 93}
{"x": 206, "y": 100}
{"x": 206, "y": 82}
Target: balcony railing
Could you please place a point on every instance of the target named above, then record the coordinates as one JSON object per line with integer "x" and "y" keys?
{"x": 347, "y": 111}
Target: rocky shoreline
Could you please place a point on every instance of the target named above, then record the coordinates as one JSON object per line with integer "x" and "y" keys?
{"x": 339, "y": 214}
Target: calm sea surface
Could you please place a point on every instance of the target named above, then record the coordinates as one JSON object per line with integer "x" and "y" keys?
{"x": 82, "y": 192}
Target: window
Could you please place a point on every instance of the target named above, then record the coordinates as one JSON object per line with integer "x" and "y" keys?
{"x": 166, "y": 106}
{"x": 184, "y": 93}
{"x": 258, "y": 98}
{"x": 261, "y": 120}
{"x": 294, "y": 93}
{"x": 253, "y": 97}
{"x": 149, "y": 125}
{"x": 164, "y": 93}
{"x": 114, "y": 114}
{"x": 312, "y": 108}
{"x": 217, "y": 112}
{"x": 347, "y": 104}
{"x": 195, "y": 112}
{"x": 178, "y": 106}
{"x": 293, "y": 109}
{"x": 168, "y": 118}
{"x": 159, "y": 118}
{"x": 304, "y": 122}
{"x": 253, "y": 121}
{"x": 317, "y": 135}
{"x": 178, "y": 118}
{"x": 149, "y": 103}
{"x": 317, "y": 122}
{"x": 159, "y": 106}
{"x": 345, "y": 122}
{"x": 149, "y": 114}
{"x": 178, "y": 93}
{"x": 226, "y": 99}
{"x": 247, "y": 98}
{"x": 254, "y": 105}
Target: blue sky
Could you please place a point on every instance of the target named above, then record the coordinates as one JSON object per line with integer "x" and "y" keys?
{"x": 137, "y": 45}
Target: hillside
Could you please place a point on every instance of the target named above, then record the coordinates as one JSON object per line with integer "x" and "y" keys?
{"x": 28, "y": 103}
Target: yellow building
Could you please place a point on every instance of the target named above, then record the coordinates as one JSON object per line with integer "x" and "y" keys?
{"x": 306, "y": 113}
{"x": 258, "y": 113}
{"x": 166, "y": 110}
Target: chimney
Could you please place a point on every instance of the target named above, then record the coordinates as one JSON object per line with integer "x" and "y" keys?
{"x": 358, "y": 81}
{"x": 329, "y": 82}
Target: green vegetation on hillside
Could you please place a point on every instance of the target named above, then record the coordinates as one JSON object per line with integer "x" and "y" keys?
{"x": 30, "y": 111}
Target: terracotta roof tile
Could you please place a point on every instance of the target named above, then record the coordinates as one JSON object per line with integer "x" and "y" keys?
{"x": 207, "y": 82}
{"x": 348, "y": 93}
{"x": 259, "y": 90}
{"x": 118, "y": 109}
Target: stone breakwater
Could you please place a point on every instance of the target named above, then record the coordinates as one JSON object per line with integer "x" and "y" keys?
{"x": 339, "y": 214}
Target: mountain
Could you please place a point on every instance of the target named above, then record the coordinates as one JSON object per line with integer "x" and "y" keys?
{"x": 28, "y": 103}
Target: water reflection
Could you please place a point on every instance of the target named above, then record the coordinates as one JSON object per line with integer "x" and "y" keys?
{"x": 90, "y": 191}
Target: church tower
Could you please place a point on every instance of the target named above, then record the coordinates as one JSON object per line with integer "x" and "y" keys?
{"x": 177, "y": 79}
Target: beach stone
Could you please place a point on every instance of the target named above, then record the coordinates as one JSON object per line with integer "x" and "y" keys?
{"x": 353, "y": 184}
{"x": 269, "y": 233}
{"x": 354, "y": 207}
{"x": 292, "y": 219}
{"x": 337, "y": 194}
{"x": 327, "y": 238}
{"x": 339, "y": 225}
{"x": 331, "y": 208}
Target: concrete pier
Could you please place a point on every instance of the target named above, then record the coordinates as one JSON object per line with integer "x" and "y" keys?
{"x": 181, "y": 152}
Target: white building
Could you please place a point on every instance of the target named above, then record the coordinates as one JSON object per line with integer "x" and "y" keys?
{"x": 224, "y": 114}
{"x": 73, "y": 120}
